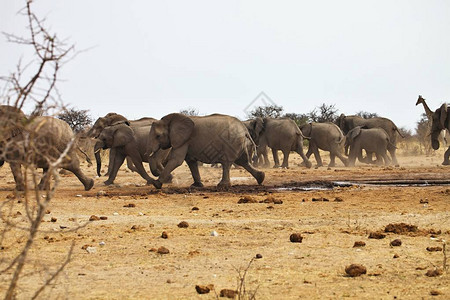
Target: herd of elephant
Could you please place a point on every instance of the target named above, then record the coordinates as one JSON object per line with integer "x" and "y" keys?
{"x": 165, "y": 144}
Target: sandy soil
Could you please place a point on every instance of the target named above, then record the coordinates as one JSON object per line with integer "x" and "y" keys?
{"x": 127, "y": 266}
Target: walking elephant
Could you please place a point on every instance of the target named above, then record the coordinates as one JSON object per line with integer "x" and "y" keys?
{"x": 255, "y": 128}
{"x": 441, "y": 121}
{"x": 42, "y": 142}
{"x": 347, "y": 123}
{"x": 327, "y": 137}
{"x": 210, "y": 139}
{"x": 373, "y": 140}
{"x": 126, "y": 141}
{"x": 279, "y": 134}
{"x": 113, "y": 119}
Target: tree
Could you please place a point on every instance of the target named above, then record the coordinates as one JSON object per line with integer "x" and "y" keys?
{"x": 366, "y": 114}
{"x": 190, "y": 111}
{"x": 271, "y": 111}
{"x": 324, "y": 113}
{"x": 35, "y": 83}
{"x": 299, "y": 119}
{"x": 77, "y": 119}
{"x": 422, "y": 133}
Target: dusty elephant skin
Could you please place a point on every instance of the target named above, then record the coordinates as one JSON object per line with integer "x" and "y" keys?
{"x": 278, "y": 134}
{"x": 112, "y": 119}
{"x": 327, "y": 137}
{"x": 347, "y": 123}
{"x": 211, "y": 139}
{"x": 373, "y": 140}
{"x": 131, "y": 142}
{"x": 47, "y": 137}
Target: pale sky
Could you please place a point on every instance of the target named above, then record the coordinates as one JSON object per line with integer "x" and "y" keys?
{"x": 151, "y": 58}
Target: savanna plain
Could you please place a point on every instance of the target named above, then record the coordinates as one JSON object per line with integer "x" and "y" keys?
{"x": 116, "y": 255}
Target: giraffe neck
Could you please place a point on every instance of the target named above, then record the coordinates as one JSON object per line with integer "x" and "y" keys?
{"x": 428, "y": 111}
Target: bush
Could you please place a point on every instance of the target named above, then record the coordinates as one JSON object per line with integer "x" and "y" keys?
{"x": 78, "y": 120}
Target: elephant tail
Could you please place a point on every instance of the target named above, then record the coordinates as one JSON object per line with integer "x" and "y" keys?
{"x": 341, "y": 140}
{"x": 85, "y": 155}
{"x": 391, "y": 144}
{"x": 301, "y": 134}
{"x": 396, "y": 129}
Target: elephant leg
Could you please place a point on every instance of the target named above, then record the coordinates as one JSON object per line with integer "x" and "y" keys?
{"x": 157, "y": 168}
{"x": 176, "y": 158}
{"x": 387, "y": 160}
{"x": 310, "y": 151}
{"x": 359, "y": 155}
{"x": 74, "y": 167}
{"x": 243, "y": 161}
{"x": 115, "y": 164}
{"x": 285, "y": 163}
{"x": 112, "y": 154}
{"x": 446, "y": 157}
{"x": 299, "y": 150}
{"x": 130, "y": 164}
{"x": 275, "y": 158}
{"x": 266, "y": 158}
{"x": 392, "y": 150}
{"x": 44, "y": 184}
{"x": 317, "y": 156}
{"x": 379, "y": 160}
{"x": 342, "y": 158}
{"x": 193, "y": 166}
{"x": 332, "y": 160}
{"x": 135, "y": 156}
{"x": 225, "y": 183}
{"x": 352, "y": 156}
{"x": 16, "y": 170}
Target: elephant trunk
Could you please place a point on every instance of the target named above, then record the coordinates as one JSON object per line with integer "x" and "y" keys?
{"x": 435, "y": 139}
{"x": 98, "y": 159}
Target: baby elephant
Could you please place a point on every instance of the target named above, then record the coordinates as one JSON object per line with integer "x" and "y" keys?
{"x": 327, "y": 137}
{"x": 374, "y": 140}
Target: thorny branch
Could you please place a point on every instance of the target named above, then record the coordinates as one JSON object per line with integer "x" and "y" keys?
{"x": 37, "y": 86}
{"x": 51, "y": 53}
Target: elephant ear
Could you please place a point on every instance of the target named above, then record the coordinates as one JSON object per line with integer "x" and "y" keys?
{"x": 180, "y": 129}
{"x": 355, "y": 132}
{"x": 443, "y": 115}
{"x": 122, "y": 136}
{"x": 258, "y": 126}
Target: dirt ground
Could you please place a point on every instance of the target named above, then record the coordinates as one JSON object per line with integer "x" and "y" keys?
{"x": 223, "y": 235}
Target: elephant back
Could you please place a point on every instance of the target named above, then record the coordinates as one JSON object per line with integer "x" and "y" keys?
{"x": 51, "y": 131}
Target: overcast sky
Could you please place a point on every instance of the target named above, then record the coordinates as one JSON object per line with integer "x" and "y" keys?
{"x": 151, "y": 58}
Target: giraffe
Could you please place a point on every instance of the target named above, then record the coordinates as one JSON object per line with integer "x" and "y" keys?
{"x": 429, "y": 114}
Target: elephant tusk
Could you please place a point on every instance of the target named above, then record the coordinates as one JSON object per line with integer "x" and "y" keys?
{"x": 96, "y": 151}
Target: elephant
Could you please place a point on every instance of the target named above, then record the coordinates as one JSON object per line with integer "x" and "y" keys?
{"x": 209, "y": 139}
{"x": 347, "y": 123}
{"x": 373, "y": 140}
{"x": 441, "y": 121}
{"x": 112, "y": 119}
{"x": 126, "y": 141}
{"x": 255, "y": 127}
{"x": 42, "y": 142}
{"x": 279, "y": 134}
{"x": 327, "y": 137}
